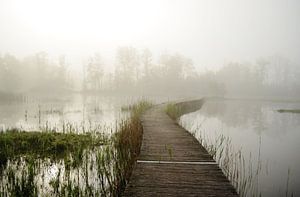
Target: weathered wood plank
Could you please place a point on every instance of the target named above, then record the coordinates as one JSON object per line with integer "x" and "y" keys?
{"x": 164, "y": 140}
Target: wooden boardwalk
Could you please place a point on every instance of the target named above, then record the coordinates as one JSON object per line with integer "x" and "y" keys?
{"x": 173, "y": 163}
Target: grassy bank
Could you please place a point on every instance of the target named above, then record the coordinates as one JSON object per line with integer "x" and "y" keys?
{"x": 14, "y": 143}
{"x": 173, "y": 111}
{"x": 127, "y": 143}
{"x": 289, "y": 110}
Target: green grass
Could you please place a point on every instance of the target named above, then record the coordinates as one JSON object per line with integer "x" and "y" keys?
{"x": 140, "y": 106}
{"x": 15, "y": 143}
{"x": 289, "y": 110}
{"x": 127, "y": 143}
{"x": 83, "y": 170}
{"x": 173, "y": 111}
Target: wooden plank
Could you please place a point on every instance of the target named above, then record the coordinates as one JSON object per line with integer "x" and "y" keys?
{"x": 178, "y": 180}
{"x": 165, "y": 140}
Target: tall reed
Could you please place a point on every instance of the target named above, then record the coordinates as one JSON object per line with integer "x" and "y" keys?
{"x": 99, "y": 166}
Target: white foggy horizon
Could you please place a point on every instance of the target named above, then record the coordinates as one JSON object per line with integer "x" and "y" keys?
{"x": 211, "y": 33}
{"x": 86, "y": 86}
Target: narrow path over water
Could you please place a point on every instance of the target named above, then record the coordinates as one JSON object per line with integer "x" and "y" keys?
{"x": 173, "y": 163}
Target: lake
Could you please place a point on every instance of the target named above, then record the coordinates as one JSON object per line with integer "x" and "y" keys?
{"x": 75, "y": 113}
{"x": 266, "y": 141}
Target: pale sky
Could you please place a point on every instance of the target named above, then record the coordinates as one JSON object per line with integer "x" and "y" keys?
{"x": 211, "y": 32}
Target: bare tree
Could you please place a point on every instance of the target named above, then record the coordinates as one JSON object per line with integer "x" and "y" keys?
{"x": 127, "y": 67}
{"x": 94, "y": 73}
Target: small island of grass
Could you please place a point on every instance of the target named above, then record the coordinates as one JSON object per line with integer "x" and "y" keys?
{"x": 289, "y": 110}
{"x": 14, "y": 143}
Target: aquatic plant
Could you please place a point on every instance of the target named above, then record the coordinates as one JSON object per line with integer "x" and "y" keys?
{"x": 90, "y": 164}
{"x": 288, "y": 110}
{"x": 173, "y": 111}
{"x": 14, "y": 143}
{"x": 127, "y": 143}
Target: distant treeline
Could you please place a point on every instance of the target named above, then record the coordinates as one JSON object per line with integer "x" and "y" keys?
{"x": 11, "y": 97}
{"x": 35, "y": 73}
{"x": 136, "y": 72}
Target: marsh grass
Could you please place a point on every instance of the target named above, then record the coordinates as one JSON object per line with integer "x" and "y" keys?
{"x": 288, "y": 110}
{"x": 14, "y": 143}
{"x": 173, "y": 111}
{"x": 243, "y": 174}
{"x": 127, "y": 143}
{"x": 243, "y": 171}
{"x": 91, "y": 164}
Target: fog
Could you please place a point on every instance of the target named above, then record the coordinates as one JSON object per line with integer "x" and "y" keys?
{"x": 88, "y": 85}
{"x": 215, "y": 48}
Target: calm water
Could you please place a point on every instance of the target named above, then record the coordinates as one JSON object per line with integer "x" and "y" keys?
{"x": 76, "y": 113}
{"x": 268, "y": 140}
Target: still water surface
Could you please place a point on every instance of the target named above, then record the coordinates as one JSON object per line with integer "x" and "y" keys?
{"x": 268, "y": 140}
{"x": 76, "y": 112}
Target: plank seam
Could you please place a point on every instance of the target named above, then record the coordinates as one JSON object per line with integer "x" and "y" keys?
{"x": 178, "y": 162}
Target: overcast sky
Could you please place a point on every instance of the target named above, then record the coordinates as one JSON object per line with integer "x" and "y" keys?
{"x": 210, "y": 32}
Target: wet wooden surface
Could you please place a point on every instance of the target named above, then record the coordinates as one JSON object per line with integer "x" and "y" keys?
{"x": 188, "y": 169}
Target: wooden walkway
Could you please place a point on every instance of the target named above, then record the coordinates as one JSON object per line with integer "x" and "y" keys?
{"x": 173, "y": 163}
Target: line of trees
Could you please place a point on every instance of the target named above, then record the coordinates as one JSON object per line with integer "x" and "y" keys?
{"x": 136, "y": 72}
{"x": 139, "y": 73}
{"x": 35, "y": 73}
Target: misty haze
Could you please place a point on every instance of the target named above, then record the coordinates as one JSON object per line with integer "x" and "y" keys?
{"x": 149, "y": 98}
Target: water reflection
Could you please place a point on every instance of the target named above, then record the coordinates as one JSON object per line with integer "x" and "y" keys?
{"x": 268, "y": 140}
{"x": 55, "y": 177}
{"x": 79, "y": 112}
